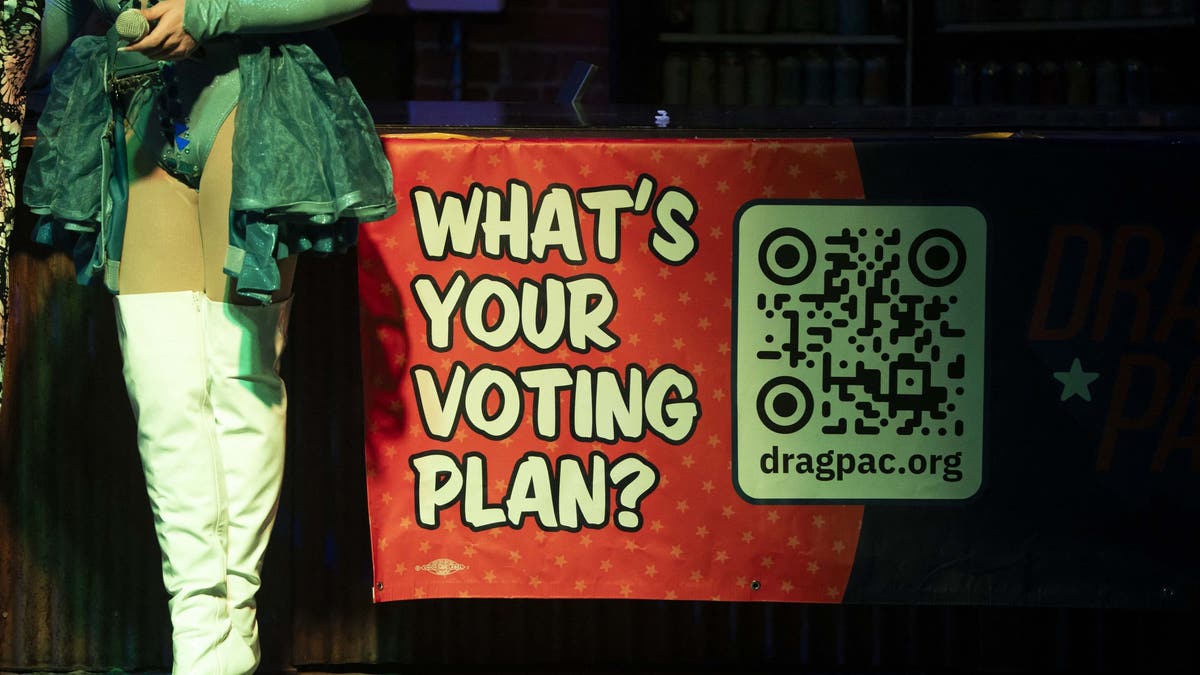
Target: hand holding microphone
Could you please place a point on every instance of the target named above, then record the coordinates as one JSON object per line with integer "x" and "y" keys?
{"x": 156, "y": 31}
{"x": 132, "y": 26}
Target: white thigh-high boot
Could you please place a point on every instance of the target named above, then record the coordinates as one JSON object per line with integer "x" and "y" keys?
{"x": 163, "y": 345}
{"x": 250, "y": 408}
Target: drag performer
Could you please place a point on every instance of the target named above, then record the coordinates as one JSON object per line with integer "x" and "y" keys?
{"x": 186, "y": 170}
{"x": 20, "y": 20}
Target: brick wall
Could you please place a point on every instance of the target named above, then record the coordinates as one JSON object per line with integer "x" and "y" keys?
{"x": 522, "y": 54}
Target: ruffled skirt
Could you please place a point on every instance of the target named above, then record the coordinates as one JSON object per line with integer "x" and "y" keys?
{"x": 308, "y": 166}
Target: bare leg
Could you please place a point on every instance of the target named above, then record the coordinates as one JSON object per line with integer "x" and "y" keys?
{"x": 216, "y": 189}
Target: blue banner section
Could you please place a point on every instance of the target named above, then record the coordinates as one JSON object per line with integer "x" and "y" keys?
{"x": 1092, "y": 452}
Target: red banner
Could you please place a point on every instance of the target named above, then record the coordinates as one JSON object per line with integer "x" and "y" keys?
{"x": 547, "y": 356}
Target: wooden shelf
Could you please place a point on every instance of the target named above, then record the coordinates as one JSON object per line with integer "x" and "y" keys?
{"x": 1081, "y": 25}
{"x": 803, "y": 39}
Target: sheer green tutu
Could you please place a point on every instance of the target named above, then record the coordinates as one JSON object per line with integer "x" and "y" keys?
{"x": 67, "y": 173}
{"x": 308, "y": 165}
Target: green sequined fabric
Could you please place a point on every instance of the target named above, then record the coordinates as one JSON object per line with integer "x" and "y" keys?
{"x": 308, "y": 165}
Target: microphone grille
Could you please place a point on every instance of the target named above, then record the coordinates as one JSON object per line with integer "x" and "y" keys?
{"x": 131, "y": 25}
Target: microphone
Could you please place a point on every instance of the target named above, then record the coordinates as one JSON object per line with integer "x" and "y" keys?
{"x": 131, "y": 25}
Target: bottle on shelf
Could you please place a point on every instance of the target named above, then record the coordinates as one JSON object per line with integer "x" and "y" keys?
{"x": 803, "y": 16}
{"x": 702, "y": 75}
{"x": 759, "y": 78}
{"x": 675, "y": 78}
{"x": 731, "y": 79}
{"x": 789, "y": 80}
{"x": 754, "y": 16}
{"x": 876, "y": 87}
{"x": 816, "y": 79}
{"x": 847, "y": 80}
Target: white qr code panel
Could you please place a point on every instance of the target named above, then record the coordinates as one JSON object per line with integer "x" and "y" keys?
{"x": 859, "y": 352}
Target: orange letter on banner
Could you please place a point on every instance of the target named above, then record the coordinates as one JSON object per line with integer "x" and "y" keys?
{"x": 1083, "y": 291}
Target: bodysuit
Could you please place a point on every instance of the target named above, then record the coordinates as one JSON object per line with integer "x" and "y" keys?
{"x": 308, "y": 165}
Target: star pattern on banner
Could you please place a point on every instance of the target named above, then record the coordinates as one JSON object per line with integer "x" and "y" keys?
{"x": 698, "y": 539}
{"x": 1076, "y": 382}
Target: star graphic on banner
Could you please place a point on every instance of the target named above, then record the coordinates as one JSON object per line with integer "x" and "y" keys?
{"x": 1076, "y": 382}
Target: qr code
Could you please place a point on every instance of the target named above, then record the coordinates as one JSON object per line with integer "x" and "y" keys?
{"x": 859, "y": 333}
